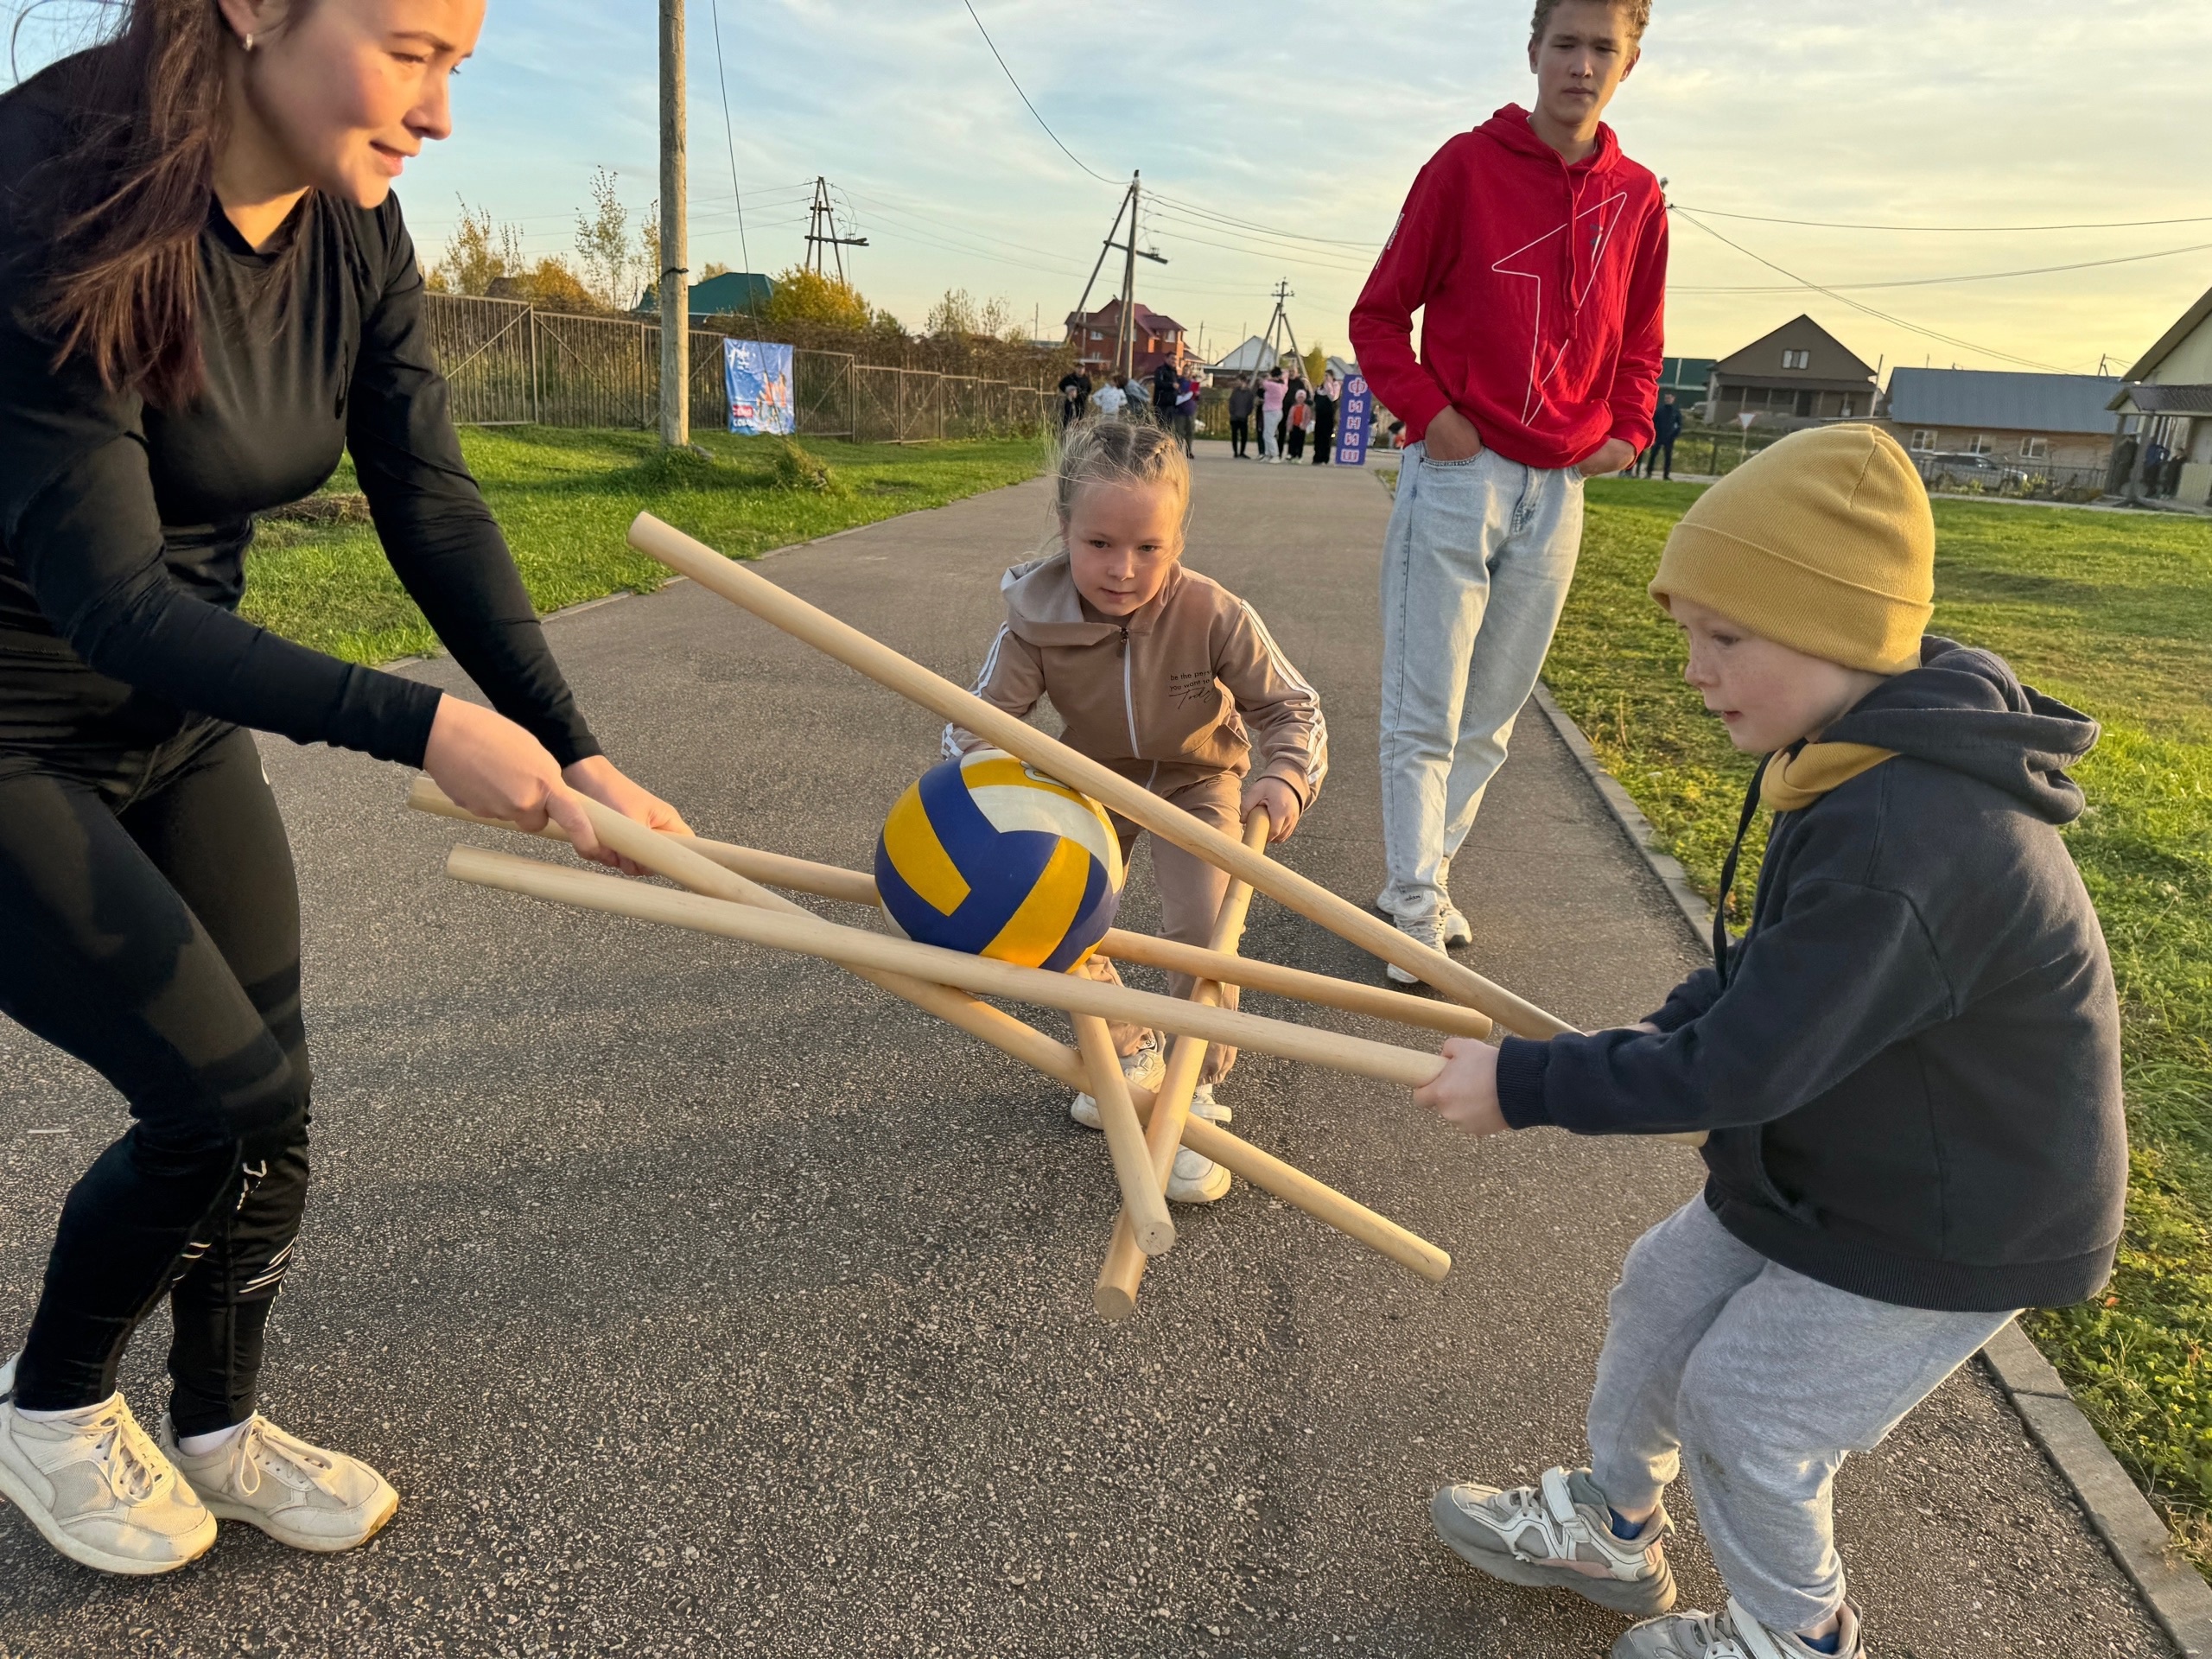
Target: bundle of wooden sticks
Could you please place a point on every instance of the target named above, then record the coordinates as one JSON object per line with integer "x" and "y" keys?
{"x": 729, "y": 892}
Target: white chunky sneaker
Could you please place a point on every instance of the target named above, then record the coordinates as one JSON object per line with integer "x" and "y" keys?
{"x": 1148, "y": 1066}
{"x": 1197, "y": 1179}
{"x": 298, "y": 1494}
{"x": 1203, "y": 1105}
{"x": 1429, "y": 930}
{"x": 1558, "y": 1533}
{"x": 1457, "y": 930}
{"x": 1734, "y": 1635}
{"x": 97, "y": 1490}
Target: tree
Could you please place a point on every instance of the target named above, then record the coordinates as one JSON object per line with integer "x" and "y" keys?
{"x": 714, "y": 268}
{"x": 480, "y": 251}
{"x": 552, "y": 284}
{"x": 610, "y": 264}
{"x": 807, "y": 296}
{"x": 957, "y": 313}
{"x": 1316, "y": 364}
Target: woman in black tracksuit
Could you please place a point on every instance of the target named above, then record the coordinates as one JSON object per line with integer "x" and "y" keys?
{"x": 205, "y": 294}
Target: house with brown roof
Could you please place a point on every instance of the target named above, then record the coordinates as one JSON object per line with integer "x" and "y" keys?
{"x": 1799, "y": 375}
{"x": 2170, "y": 395}
{"x": 1093, "y": 334}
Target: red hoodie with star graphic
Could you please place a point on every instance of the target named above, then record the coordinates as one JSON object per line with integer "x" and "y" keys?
{"x": 1542, "y": 287}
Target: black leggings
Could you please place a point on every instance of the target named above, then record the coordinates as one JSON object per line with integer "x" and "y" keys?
{"x": 150, "y": 925}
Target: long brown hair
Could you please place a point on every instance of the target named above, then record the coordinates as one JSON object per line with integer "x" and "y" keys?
{"x": 128, "y": 197}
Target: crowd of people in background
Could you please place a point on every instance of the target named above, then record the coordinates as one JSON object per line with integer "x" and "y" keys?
{"x": 1278, "y": 410}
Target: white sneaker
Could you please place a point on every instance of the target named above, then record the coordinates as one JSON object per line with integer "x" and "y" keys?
{"x": 1734, "y": 1635}
{"x": 1203, "y": 1105}
{"x": 1558, "y": 1533}
{"x": 1457, "y": 930}
{"x": 1429, "y": 930}
{"x": 1196, "y": 1178}
{"x": 298, "y": 1494}
{"x": 97, "y": 1490}
{"x": 1148, "y": 1066}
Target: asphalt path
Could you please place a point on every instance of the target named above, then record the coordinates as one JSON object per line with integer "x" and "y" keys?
{"x": 703, "y": 1299}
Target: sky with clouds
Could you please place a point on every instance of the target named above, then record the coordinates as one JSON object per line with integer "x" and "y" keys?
{"x": 1305, "y": 123}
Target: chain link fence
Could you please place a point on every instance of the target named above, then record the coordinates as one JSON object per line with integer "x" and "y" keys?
{"x": 510, "y": 364}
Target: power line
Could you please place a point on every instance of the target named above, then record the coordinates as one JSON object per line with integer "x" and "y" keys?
{"x": 729, "y": 132}
{"x": 1960, "y": 230}
{"x": 1977, "y": 277}
{"x": 1266, "y": 230}
{"x": 1031, "y": 108}
{"x": 1883, "y": 316}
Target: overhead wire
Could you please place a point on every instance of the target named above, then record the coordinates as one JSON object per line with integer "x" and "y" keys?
{"x": 1956, "y": 230}
{"x": 729, "y": 133}
{"x": 1027, "y": 104}
{"x": 1975, "y": 276}
{"x": 1868, "y": 310}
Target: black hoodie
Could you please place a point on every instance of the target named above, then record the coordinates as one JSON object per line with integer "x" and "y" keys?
{"x": 1911, "y": 1078}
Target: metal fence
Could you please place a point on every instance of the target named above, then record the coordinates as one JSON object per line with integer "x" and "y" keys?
{"x": 510, "y": 364}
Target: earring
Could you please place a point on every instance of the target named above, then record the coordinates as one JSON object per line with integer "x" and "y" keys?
{"x": 249, "y": 40}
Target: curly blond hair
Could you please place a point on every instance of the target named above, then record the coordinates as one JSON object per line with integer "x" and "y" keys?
{"x": 1639, "y": 16}
{"x": 1117, "y": 452}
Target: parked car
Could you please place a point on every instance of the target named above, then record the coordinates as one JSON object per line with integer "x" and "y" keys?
{"x": 1956, "y": 469}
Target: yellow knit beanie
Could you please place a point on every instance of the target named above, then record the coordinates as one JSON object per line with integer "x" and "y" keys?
{"x": 1823, "y": 543}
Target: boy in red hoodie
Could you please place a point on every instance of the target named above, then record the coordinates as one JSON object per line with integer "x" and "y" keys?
{"x": 1537, "y": 254}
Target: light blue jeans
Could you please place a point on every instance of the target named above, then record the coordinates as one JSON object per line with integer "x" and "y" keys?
{"x": 1475, "y": 570}
{"x": 1762, "y": 1380}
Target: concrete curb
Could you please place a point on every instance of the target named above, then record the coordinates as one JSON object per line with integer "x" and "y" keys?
{"x": 1697, "y": 915}
{"x": 2175, "y": 1593}
{"x": 2179, "y": 1597}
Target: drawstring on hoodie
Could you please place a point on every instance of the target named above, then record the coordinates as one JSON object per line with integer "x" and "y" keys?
{"x": 1728, "y": 872}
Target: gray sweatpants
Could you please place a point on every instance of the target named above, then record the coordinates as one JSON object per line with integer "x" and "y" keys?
{"x": 1766, "y": 1379}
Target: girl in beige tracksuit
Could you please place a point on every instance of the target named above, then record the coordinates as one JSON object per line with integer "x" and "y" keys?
{"x": 1165, "y": 676}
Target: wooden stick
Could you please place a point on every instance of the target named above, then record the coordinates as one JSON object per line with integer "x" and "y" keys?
{"x": 799, "y": 874}
{"x": 1323, "y": 989}
{"x": 879, "y": 662}
{"x": 1151, "y": 1227}
{"x": 856, "y": 886}
{"x": 981, "y": 975}
{"x": 1056, "y": 1059}
{"x": 1114, "y": 1295}
{"x": 1154, "y": 1233}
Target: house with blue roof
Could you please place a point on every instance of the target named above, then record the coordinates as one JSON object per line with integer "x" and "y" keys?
{"x": 2031, "y": 422}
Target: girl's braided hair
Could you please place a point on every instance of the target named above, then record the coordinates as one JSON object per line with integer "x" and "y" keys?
{"x": 1117, "y": 452}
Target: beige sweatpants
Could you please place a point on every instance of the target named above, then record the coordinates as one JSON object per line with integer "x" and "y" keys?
{"x": 1191, "y": 892}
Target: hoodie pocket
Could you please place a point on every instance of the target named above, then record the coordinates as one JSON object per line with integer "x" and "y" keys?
{"x": 1736, "y": 1158}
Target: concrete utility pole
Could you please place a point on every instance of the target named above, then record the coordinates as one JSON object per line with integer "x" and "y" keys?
{"x": 1125, "y": 348}
{"x": 675, "y": 281}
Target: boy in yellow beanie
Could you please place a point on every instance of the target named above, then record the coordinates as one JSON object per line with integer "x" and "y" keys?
{"x": 1907, "y": 1069}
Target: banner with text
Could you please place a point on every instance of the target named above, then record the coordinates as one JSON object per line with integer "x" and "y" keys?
{"x": 1354, "y": 414}
{"x": 757, "y": 377}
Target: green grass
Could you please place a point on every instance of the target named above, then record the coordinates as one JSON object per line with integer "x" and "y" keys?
{"x": 2113, "y": 613}
{"x": 565, "y": 499}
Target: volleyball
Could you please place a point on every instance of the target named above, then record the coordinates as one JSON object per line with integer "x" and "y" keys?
{"x": 984, "y": 855}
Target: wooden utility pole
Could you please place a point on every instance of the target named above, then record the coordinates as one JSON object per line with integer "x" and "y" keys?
{"x": 822, "y": 232}
{"x": 675, "y": 279}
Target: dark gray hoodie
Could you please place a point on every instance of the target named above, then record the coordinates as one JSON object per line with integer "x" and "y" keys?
{"x": 1911, "y": 1078}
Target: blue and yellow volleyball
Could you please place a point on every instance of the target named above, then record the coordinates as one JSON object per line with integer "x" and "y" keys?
{"x": 985, "y": 855}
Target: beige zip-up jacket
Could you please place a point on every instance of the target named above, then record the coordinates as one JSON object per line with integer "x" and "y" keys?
{"x": 1183, "y": 690}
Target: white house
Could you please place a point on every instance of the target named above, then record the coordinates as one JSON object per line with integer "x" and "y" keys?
{"x": 2170, "y": 387}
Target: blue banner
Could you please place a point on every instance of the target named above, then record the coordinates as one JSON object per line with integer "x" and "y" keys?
{"x": 1354, "y": 414}
{"x": 757, "y": 377}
